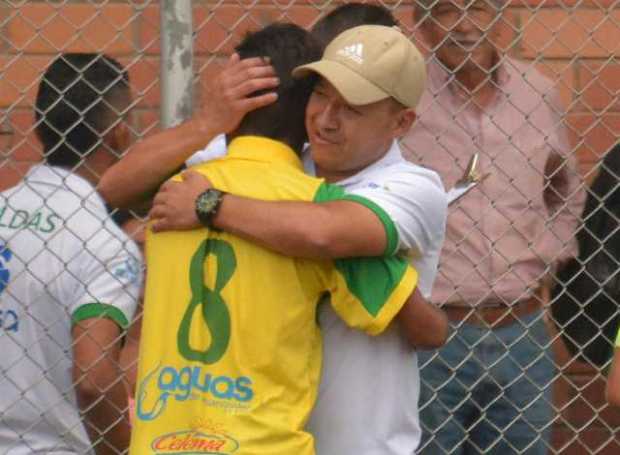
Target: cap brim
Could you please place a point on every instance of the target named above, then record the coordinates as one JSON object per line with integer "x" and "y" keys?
{"x": 356, "y": 90}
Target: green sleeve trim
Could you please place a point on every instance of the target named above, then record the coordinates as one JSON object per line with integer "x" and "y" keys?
{"x": 100, "y": 310}
{"x": 391, "y": 233}
{"x": 372, "y": 281}
{"x": 327, "y": 192}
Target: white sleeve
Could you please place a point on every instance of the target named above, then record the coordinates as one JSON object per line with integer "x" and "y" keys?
{"x": 214, "y": 149}
{"x": 109, "y": 273}
{"x": 416, "y": 203}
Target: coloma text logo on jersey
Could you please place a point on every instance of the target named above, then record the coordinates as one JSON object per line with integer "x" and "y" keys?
{"x": 187, "y": 384}
{"x": 194, "y": 442}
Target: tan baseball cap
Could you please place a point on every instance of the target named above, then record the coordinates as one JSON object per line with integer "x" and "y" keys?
{"x": 370, "y": 63}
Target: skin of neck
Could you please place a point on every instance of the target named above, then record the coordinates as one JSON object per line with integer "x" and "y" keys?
{"x": 332, "y": 177}
{"x": 338, "y": 176}
{"x": 95, "y": 164}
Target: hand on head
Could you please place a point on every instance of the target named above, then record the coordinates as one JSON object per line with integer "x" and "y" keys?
{"x": 231, "y": 94}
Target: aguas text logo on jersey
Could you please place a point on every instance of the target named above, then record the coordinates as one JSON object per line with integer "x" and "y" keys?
{"x": 188, "y": 384}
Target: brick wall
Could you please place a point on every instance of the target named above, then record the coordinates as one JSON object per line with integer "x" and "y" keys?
{"x": 576, "y": 43}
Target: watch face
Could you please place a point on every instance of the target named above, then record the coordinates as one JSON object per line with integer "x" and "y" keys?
{"x": 207, "y": 201}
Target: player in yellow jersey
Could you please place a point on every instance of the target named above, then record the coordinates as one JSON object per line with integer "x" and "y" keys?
{"x": 230, "y": 349}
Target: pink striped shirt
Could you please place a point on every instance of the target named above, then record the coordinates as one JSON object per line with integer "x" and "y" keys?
{"x": 501, "y": 236}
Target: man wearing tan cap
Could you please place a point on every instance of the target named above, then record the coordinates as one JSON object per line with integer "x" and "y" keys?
{"x": 371, "y": 79}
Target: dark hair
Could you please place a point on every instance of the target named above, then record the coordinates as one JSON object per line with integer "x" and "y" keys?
{"x": 287, "y": 46}
{"x": 348, "y": 16}
{"x": 586, "y": 298}
{"x": 78, "y": 101}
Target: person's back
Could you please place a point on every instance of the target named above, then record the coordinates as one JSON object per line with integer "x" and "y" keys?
{"x": 233, "y": 363}
{"x": 68, "y": 275}
{"x": 54, "y": 227}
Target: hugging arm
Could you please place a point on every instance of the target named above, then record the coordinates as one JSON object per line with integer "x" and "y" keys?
{"x": 333, "y": 229}
{"x": 423, "y": 324}
{"x": 150, "y": 162}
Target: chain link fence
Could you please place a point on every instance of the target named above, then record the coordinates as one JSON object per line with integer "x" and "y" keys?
{"x": 574, "y": 43}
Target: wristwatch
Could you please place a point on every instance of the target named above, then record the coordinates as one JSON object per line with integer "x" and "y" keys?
{"x": 207, "y": 205}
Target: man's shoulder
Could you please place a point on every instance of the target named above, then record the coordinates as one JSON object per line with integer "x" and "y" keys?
{"x": 60, "y": 201}
{"x": 525, "y": 76}
{"x": 406, "y": 173}
{"x": 66, "y": 192}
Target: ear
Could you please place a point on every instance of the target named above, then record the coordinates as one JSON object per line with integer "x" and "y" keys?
{"x": 118, "y": 137}
{"x": 403, "y": 122}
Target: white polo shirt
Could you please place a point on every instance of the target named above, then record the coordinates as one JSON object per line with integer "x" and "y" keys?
{"x": 370, "y": 386}
{"x": 62, "y": 260}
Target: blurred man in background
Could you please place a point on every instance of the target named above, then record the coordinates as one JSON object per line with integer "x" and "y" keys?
{"x": 489, "y": 389}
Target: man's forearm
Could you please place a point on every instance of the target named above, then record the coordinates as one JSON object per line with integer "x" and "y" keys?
{"x": 106, "y": 419}
{"x": 424, "y": 324}
{"x": 98, "y": 382}
{"x": 304, "y": 229}
{"x": 150, "y": 162}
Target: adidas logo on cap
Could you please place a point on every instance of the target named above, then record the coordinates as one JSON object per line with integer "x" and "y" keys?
{"x": 370, "y": 63}
{"x": 353, "y": 52}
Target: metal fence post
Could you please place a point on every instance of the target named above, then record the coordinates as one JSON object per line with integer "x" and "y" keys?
{"x": 176, "y": 61}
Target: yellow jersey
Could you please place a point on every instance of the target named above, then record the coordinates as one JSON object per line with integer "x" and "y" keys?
{"x": 230, "y": 351}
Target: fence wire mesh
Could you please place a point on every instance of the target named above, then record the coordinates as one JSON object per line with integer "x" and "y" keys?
{"x": 492, "y": 388}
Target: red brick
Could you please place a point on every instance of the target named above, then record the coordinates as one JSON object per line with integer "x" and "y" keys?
{"x": 43, "y": 28}
{"x": 149, "y": 29}
{"x": 562, "y": 73}
{"x": 581, "y": 400}
{"x": 26, "y": 145}
{"x": 596, "y": 134}
{"x": 144, "y": 75}
{"x": 602, "y": 4}
{"x": 599, "y": 85}
{"x": 593, "y": 440}
{"x": 559, "y": 33}
{"x": 20, "y": 77}
{"x": 218, "y": 29}
{"x": 304, "y": 16}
